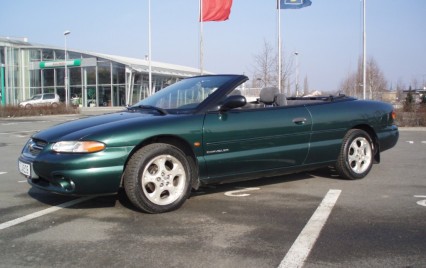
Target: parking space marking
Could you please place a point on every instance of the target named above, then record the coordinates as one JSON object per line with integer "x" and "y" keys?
{"x": 421, "y": 202}
{"x": 301, "y": 248}
{"x": 43, "y": 212}
{"x": 412, "y": 142}
{"x": 2, "y": 172}
{"x": 238, "y": 193}
{"x": 17, "y": 133}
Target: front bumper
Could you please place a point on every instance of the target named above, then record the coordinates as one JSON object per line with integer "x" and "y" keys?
{"x": 76, "y": 174}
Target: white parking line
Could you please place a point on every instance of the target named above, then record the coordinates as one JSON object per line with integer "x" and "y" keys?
{"x": 2, "y": 172}
{"x": 43, "y": 212}
{"x": 238, "y": 193}
{"x": 301, "y": 248}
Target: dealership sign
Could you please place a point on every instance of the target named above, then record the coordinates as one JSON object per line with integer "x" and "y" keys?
{"x": 61, "y": 63}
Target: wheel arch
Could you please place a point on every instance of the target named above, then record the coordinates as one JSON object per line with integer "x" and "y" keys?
{"x": 372, "y": 133}
{"x": 176, "y": 142}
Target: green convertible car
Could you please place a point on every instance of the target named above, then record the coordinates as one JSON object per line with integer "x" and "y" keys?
{"x": 205, "y": 130}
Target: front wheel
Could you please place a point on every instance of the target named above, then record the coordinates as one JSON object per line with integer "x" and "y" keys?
{"x": 157, "y": 178}
{"x": 356, "y": 155}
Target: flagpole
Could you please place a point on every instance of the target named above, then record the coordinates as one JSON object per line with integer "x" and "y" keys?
{"x": 364, "y": 49}
{"x": 279, "y": 46}
{"x": 201, "y": 38}
{"x": 149, "y": 50}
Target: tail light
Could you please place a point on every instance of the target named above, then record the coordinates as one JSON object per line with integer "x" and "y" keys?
{"x": 392, "y": 117}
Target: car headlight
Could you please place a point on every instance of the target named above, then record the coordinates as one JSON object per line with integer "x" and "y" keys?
{"x": 78, "y": 146}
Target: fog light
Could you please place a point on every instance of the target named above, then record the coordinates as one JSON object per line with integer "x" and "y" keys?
{"x": 66, "y": 184}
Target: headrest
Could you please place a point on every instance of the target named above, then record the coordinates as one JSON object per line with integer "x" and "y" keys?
{"x": 281, "y": 99}
{"x": 267, "y": 94}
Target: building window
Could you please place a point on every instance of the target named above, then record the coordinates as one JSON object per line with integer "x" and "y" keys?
{"x": 35, "y": 55}
{"x": 48, "y": 77}
{"x": 47, "y": 54}
{"x": 118, "y": 74}
{"x": 35, "y": 76}
{"x": 75, "y": 76}
{"x": 2, "y": 55}
{"x": 91, "y": 75}
{"x": 104, "y": 72}
{"x": 60, "y": 73}
{"x": 59, "y": 54}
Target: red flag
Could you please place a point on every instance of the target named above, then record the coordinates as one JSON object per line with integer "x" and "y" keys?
{"x": 215, "y": 10}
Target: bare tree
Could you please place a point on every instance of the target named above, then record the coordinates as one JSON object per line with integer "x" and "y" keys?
{"x": 265, "y": 65}
{"x": 305, "y": 86}
{"x": 351, "y": 86}
{"x": 414, "y": 83}
{"x": 376, "y": 82}
{"x": 266, "y": 68}
{"x": 400, "y": 87}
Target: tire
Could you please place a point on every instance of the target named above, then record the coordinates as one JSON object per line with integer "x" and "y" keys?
{"x": 157, "y": 178}
{"x": 28, "y": 106}
{"x": 54, "y": 105}
{"x": 356, "y": 155}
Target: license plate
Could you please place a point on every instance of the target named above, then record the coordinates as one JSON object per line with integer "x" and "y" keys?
{"x": 25, "y": 168}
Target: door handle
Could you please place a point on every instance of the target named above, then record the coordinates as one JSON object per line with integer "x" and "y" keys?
{"x": 299, "y": 120}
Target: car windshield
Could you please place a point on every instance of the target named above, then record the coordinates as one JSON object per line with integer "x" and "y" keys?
{"x": 185, "y": 94}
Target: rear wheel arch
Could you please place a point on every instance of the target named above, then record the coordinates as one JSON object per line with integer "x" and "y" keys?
{"x": 374, "y": 139}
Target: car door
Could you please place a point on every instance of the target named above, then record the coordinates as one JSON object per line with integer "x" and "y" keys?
{"x": 37, "y": 100}
{"x": 247, "y": 141}
{"x": 47, "y": 99}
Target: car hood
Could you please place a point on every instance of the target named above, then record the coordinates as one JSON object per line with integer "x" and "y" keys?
{"x": 97, "y": 127}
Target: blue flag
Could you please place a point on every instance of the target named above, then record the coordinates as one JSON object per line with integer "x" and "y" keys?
{"x": 294, "y": 4}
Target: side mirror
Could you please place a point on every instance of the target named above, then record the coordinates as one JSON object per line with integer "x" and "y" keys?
{"x": 232, "y": 102}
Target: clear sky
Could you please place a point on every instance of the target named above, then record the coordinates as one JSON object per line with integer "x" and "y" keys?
{"x": 327, "y": 35}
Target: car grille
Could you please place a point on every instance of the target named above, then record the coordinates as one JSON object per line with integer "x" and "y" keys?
{"x": 35, "y": 146}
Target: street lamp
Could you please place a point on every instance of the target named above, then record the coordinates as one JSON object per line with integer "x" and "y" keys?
{"x": 297, "y": 74}
{"x": 66, "y": 33}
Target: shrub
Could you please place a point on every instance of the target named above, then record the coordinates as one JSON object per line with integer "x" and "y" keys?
{"x": 409, "y": 102}
{"x": 16, "y": 111}
{"x": 415, "y": 118}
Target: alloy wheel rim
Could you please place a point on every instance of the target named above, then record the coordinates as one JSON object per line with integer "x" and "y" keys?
{"x": 359, "y": 155}
{"x": 163, "y": 180}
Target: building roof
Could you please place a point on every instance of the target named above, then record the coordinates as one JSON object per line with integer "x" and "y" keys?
{"x": 139, "y": 65}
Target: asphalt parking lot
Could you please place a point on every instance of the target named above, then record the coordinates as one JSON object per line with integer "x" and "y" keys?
{"x": 379, "y": 221}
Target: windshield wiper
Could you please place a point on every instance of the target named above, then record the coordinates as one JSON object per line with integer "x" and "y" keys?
{"x": 148, "y": 107}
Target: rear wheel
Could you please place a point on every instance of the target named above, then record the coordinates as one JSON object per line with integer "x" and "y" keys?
{"x": 356, "y": 155}
{"x": 157, "y": 178}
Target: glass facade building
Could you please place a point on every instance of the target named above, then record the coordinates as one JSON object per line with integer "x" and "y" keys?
{"x": 93, "y": 79}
